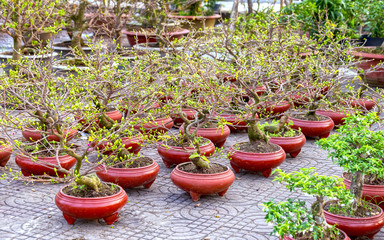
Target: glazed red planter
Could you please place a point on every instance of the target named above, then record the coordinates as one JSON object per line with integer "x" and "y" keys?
{"x": 202, "y": 184}
{"x": 291, "y": 145}
{"x": 190, "y": 113}
{"x": 128, "y": 106}
{"x": 371, "y": 193}
{"x": 345, "y": 236}
{"x": 356, "y": 227}
{"x": 313, "y": 129}
{"x": 176, "y": 155}
{"x": 132, "y": 144}
{"x": 337, "y": 117}
{"x": 300, "y": 99}
{"x": 137, "y": 37}
{"x": 259, "y": 90}
{"x": 129, "y": 177}
{"x": 374, "y": 78}
{"x": 114, "y": 115}
{"x": 5, "y": 154}
{"x": 227, "y": 77}
{"x": 235, "y": 123}
{"x": 256, "y": 162}
{"x": 363, "y": 104}
{"x": 31, "y": 134}
{"x": 217, "y": 135}
{"x": 275, "y": 108}
{"x": 91, "y": 208}
{"x": 159, "y": 125}
{"x": 29, "y": 167}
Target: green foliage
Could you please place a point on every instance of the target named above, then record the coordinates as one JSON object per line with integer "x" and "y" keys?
{"x": 197, "y": 8}
{"x": 356, "y": 147}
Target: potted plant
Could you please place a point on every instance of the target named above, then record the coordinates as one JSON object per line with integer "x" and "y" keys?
{"x": 293, "y": 219}
{"x": 358, "y": 149}
{"x": 196, "y": 15}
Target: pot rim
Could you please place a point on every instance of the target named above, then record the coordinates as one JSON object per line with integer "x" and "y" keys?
{"x": 298, "y": 136}
{"x": 207, "y": 129}
{"x": 94, "y": 198}
{"x": 201, "y": 174}
{"x": 39, "y": 56}
{"x": 375, "y": 56}
{"x": 181, "y": 32}
{"x": 160, "y": 144}
{"x": 234, "y": 150}
{"x": 43, "y": 158}
{"x": 352, "y": 218}
{"x": 368, "y": 185}
{"x": 175, "y": 15}
{"x": 302, "y": 120}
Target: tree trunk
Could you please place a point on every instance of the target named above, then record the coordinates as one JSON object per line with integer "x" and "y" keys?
{"x": 118, "y": 32}
{"x": 17, "y": 45}
{"x": 250, "y": 7}
{"x": 254, "y": 133}
{"x": 356, "y": 188}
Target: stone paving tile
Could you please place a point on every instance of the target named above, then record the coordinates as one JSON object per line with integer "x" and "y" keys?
{"x": 28, "y": 211}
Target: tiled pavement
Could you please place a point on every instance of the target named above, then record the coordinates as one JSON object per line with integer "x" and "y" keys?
{"x": 28, "y": 211}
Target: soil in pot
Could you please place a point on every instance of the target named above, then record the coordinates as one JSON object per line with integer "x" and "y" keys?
{"x": 257, "y": 147}
{"x": 310, "y": 117}
{"x": 214, "y": 168}
{"x": 87, "y": 192}
{"x": 367, "y": 210}
{"x": 133, "y": 163}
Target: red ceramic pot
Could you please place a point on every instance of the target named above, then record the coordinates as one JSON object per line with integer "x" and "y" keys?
{"x": 363, "y": 104}
{"x": 272, "y": 108}
{"x": 159, "y": 125}
{"x": 313, "y": 129}
{"x": 226, "y": 77}
{"x": 236, "y": 123}
{"x": 137, "y": 37}
{"x": 336, "y": 116}
{"x": 217, "y": 135}
{"x": 31, "y": 134}
{"x": 259, "y": 90}
{"x": 356, "y": 227}
{"x": 190, "y": 113}
{"x": 129, "y": 177}
{"x": 128, "y": 106}
{"x": 91, "y": 208}
{"x": 255, "y": 162}
{"x": 371, "y": 193}
{"x": 176, "y": 155}
{"x": 202, "y": 184}
{"x": 5, "y": 154}
{"x": 114, "y": 115}
{"x": 29, "y": 167}
{"x": 291, "y": 238}
{"x": 291, "y": 145}
{"x": 300, "y": 99}
{"x": 374, "y": 78}
{"x": 132, "y": 144}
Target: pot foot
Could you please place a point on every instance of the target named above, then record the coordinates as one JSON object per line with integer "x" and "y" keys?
{"x": 195, "y": 196}
{"x": 325, "y": 135}
{"x": 4, "y": 161}
{"x": 235, "y": 168}
{"x": 148, "y": 185}
{"x": 294, "y": 154}
{"x": 137, "y": 151}
{"x": 111, "y": 219}
{"x": 167, "y": 164}
{"x": 223, "y": 192}
{"x": 267, "y": 173}
{"x": 25, "y": 173}
{"x": 70, "y": 220}
{"x": 220, "y": 144}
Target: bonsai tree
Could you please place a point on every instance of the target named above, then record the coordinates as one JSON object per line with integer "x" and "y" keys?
{"x": 293, "y": 218}
{"x": 358, "y": 149}
{"x": 20, "y": 18}
{"x": 195, "y": 8}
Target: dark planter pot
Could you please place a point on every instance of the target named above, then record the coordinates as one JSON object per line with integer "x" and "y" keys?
{"x": 271, "y": 108}
{"x": 363, "y": 104}
{"x": 374, "y": 78}
{"x": 29, "y": 167}
{"x": 371, "y": 193}
{"x": 259, "y": 90}
{"x": 137, "y": 37}
{"x": 114, "y": 115}
{"x": 256, "y": 162}
{"x": 5, "y": 154}
{"x": 291, "y": 238}
{"x": 129, "y": 177}
{"x": 197, "y": 22}
{"x": 337, "y": 117}
{"x": 202, "y": 184}
{"x": 372, "y": 41}
{"x": 226, "y": 77}
{"x": 313, "y": 129}
{"x": 291, "y": 145}
{"x": 218, "y": 136}
{"x": 133, "y": 109}
{"x": 300, "y": 99}
{"x": 176, "y": 155}
{"x": 132, "y": 144}
{"x": 91, "y": 208}
{"x": 356, "y": 227}
{"x": 190, "y": 113}
{"x": 32, "y": 135}
{"x": 159, "y": 125}
{"x": 236, "y": 124}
